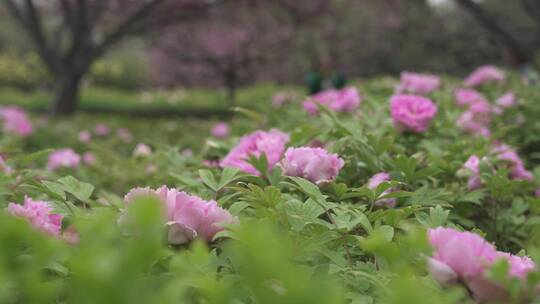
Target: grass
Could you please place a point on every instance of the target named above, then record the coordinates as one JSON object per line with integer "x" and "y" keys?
{"x": 187, "y": 102}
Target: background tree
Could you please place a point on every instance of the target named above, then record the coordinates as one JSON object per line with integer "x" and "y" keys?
{"x": 504, "y": 20}
{"x": 223, "y": 49}
{"x": 69, "y": 35}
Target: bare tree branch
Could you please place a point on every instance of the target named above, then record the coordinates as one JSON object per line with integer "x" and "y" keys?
{"x": 522, "y": 54}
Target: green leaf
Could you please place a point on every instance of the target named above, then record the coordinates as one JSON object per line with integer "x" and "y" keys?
{"x": 228, "y": 176}
{"x": 438, "y": 216}
{"x": 237, "y": 207}
{"x": 28, "y": 158}
{"x": 260, "y": 163}
{"x": 311, "y": 190}
{"x": 55, "y": 188}
{"x": 475, "y": 197}
{"x": 208, "y": 179}
{"x": 256, "y": 117}
{"x": 80, "y": 190}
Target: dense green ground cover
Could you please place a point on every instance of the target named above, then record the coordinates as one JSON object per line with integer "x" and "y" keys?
{"x": 296, "y": 242}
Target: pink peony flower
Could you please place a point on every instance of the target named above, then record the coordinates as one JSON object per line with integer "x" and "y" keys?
{"x": 414, "y": 83}
{"x": 481, "y": 108}
{"x": 313, "y": 164}
{"x": 89, "y": 158}
{"x": 467, "y": 97}
{"x": 412, "y": 113}
{"x": 375, "y": 181}
{"x": 473, "y": 165}
{"x": 102, "y": 129}
{"x": 4, "y": 168}
{"x": 63, "y": 158}
{"x": 142, "y": 150}
{"x": 465, "y": 256}
{"x": 210, "y": 163}
{"x": 271, "y": 143}
{"x": 281, "y": 98}
{"x": 344, "y": 100}
{"x": 517, "y": 166}
{"x": 484, "y": 74}
{"x": 39, "y": 214}
{"x": 473, "y": 123}
{"x": 220, "y": 130}
{"x": 85, "y": 136}
{"x": 508, "y": 100}
{"x": 124, "y": 135}
{"x": 16, "y": 121}
{"x": 466, "y": 253}
{"x": 187, "y": 216}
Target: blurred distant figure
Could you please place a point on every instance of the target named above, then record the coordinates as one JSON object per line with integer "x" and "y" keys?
{"x": 316, "y": 79}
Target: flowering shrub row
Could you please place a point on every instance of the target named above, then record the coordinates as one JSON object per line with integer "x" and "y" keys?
{"x": 409, "y": 191}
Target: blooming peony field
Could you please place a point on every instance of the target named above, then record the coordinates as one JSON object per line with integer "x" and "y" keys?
{"x": 423, "y": 189}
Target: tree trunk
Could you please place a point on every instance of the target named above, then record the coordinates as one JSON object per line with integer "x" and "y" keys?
{"x": 521, "y": 53}
{"x": 66, "y": 94}
{"x": 231, "y": 85}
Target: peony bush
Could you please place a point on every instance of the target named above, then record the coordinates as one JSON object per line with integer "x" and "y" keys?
{"x": 422, "y": 189}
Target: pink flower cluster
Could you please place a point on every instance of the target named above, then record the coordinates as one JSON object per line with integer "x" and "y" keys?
{"x": 39, "y": 214}
{"x": 478, "y": 116}
{"x": 89, "y": 158}
{"x": 188, "y": 216}
{"x": 504, "y": 153}
{"x": 281, "y": 98}
{"x": 517, "y": 168}
{"x": 412, "y": 113}
{"x": 465, "y": 257}
{"x": 375, "y": 181}
{"x": 473, "y": 166}
{"x": 220, "y": 130}
{"x": 63, "y": 158}
{"x": 271, "y": 143}
{"x": 504, "y": 102}
{"x": 483, "y": 75}
{"x": 313, "y": 164}
{"x": 16, "y": 121}
{"x": 85, "y": 136}
{"x": 124, "y": 135}
{"x": 142, "y": 150}
{"x": 467, "y": 97}
{"x": 414, "y": 83}
{"x": 344, "y": 100}
{"x": 4, "y": 168}
{"x": 102, "y": 129}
